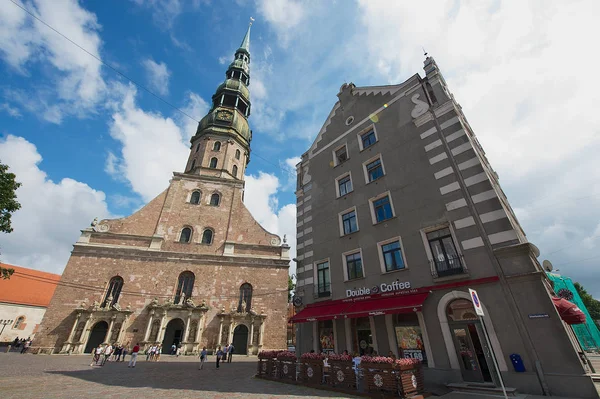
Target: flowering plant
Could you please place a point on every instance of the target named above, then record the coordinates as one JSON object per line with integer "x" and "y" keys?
{"x": 377, "y": 359}
{"x": 407, "y": 362}
{"x": 312, "y": 356}
{"x": 268, "y": 354}
{"x": 286, "y": 355}
{"x": 343, "y": 358}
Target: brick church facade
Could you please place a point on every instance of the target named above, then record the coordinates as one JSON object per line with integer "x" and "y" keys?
{"x": 192, "y": 267}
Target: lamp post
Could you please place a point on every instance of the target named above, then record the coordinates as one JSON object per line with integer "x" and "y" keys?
{"x": 4, "y": 324}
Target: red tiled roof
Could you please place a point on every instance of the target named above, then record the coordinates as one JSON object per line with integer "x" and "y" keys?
{"x": 28, "y": 287}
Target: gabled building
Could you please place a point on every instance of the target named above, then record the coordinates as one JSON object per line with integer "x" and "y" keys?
{"x": 399, "y": 214}
{"x": 192, "y": 267}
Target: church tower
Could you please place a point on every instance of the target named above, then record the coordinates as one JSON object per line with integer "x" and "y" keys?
{"x": 192, "y": 267}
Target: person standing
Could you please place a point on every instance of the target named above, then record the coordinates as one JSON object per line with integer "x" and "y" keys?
{"x": 99, "y": 351}
{"x": 230, "y": 353}
{"x": 157, "y": 353}
{"x": 225, "y": 352}
{"x": 219, "y": 355}
{"x": 173, "y": 349}
{"x": 108, "y": 350}
{"x": 125, "y": 351}
{"x": 203, "y": 355}
{"x": 134, "y": 354}
{"x": 26, "y": 346}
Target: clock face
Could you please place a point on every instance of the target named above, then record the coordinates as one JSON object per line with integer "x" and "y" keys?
{"x": 297, "y": 301}
{"x": 224, "y": 116}
{"x": 565, "y": 294}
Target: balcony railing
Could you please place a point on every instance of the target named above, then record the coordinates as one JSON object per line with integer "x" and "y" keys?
{"x": 448, "y": 267}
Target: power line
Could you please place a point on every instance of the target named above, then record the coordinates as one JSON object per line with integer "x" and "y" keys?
{"x": 125, "y": 76}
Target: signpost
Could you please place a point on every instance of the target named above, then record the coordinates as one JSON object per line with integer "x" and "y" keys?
{"x": 479, "y": 310}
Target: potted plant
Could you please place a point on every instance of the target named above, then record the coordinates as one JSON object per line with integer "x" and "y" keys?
{"x": 379, "y": 373}
{"x": 266, "y": 363}
{"x": 312, "y": 368}
{"x": 341, "y": 373}
{"x": 410, "y": 376}
{"x": 286, "y": 365}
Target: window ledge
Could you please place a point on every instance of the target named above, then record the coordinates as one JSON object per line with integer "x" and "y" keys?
{"x": 341, "y": 163}
{"x": 376, "y": 180}
{"x": 355, "y": 279}
{"x": 349, "y": 234}
{"x": 395, "y": 271}
{"x": 369, "y": 147}
{"x": 345, "y": 195}
{"x": 383, "y": 221}
{"x": 451, "y": 278}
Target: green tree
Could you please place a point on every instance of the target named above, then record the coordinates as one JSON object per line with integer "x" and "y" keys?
{"x": 8, "y": 205}
{"x": 291, "y": 287}
{"x": 592, "y": 305}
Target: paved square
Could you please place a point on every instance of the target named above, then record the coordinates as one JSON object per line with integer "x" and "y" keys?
{"x": 60, "y": 377}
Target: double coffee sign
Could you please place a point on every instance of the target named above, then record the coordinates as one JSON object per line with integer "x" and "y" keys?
{"x": 383, "y": 287}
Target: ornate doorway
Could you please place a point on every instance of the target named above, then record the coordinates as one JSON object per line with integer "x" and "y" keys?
{"x": 97, "y": 336}
{"x": 240, "y": 340}
{"x": 173, "y": 334}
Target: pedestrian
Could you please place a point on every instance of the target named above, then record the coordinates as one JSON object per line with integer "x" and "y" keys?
{"x": 219, "y": 355}
{"x": 99, "y": 352}
{"x": 203, "y": 355}
{"x": 108, "y": 350}
{"x": 178, "y": 351}
{"x": 125, "y": 351}
{"x": 157, "y": 353}
{"x": 117, "y": 353}
{"x": 93, "y": 357}
{"x": 230, "y": 353}
{"x": 225, "y": 352}
{"x": 173, "y": 349}
{"x": 134, "y": 354}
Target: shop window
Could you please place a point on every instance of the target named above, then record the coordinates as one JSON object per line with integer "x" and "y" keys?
{"x": 19, "y": 322}
{"x": 349, "y": 223}
{"x": 215, "y": 199}
{"x": 354, "y": 265}
{"x": 213, "y": 163}
{"x": 186, "y": 235}
{"x": 185, "y": 286}
{"x": 374, "y": 170}
{"x": 113, "y": 292}
{"x": 217, "y": 146}
{"x": 195, "y": 198}
{"x": 344, "y": 185}
{"x": 326, "y": 339}
{"x": 234, "y": 171}
{"x": 409, "y": 338}
{"x": 368, "y": 139}
{"x": 237, "y": 154}
{"x": 382, "y": 208}
{"x": 323, "y": 280}
{"x": 245, "y": 303}
{"x": 392, "y": 256}
{"x": 207, "y": 236}
{"x": 446, "y": 260}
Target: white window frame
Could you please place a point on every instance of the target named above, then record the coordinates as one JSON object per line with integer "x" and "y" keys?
{"x": 429, "y": 229}
{"x": 382, "y": 260}
{"x": 192, "y": 235}
{"x": 335, "y": 160}
{"x": 316, "y": 279}
{"x": 366, "y": 173}
{"x": 341, "y": 222}
{"x": 337, "y": 184}
{"x": 356, "y": 250}
{"x": 372, "y": 207}
{"x": 365, "y": 131}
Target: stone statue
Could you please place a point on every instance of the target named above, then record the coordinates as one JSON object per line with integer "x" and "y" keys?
{"x": 154, "y": 302}
{"x": 182, "y": 300}
{"x": 128, "y": 308}
{"x": 222, "y": 309}
{"x": 244, "y": 305}
{"x": 204, "y": 303}
{"x": 94, "y": 222}
{"x": 168, "y": 302}
{"x": 83, "y": 305}
{"x": 285, "y": 238}
{"x": 190, "y": 303}
{"x": 116, "y": 306}
{"x": 95, "y": 305}
{"x": 108, "y": 301}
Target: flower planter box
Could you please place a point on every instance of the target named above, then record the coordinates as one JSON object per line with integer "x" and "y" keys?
{"x": 411, "y": 380}
{"x": 265, "y": 368}
{"x": 312, "y": 372}
{"x": 380, "y": 377}
{"x": 341, "y": 374}
{"x": 287, "y": 369}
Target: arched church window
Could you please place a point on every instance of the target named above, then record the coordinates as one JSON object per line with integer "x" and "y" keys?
{"x": 237, "y": 154}
{"x": 195, "y": 198}
{"x": 217, "y": 146}
{"x": 213, "y": 163}
{"x": 215, "y": 199}
{"x": 207, "y": 236}
{"x": 186, "y": 235}
{"x": 193, "y": 164}
{"x": 19, "y": 322}
{"x": 185, "y": 286}
{"x": 234, "y": 171}
{"x": 461, "y": 310}
{"x": 245, "y": 303}
{"x": 197, "y": 147}
{"x": 113, "y": 292}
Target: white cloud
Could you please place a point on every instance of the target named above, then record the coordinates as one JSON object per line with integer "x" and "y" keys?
{"x": 158, "y": 76}
{"x": 14, "y": 112}
{"x": 24, "y": 41}
{"x": 284, "y": 15}
{"x": 196, "y": 108}
{"x": 51, "y": 215}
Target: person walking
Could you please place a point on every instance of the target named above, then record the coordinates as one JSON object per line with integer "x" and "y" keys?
{"x": 203, "y": 356}
{"x": 99, "y": 352}
{"x": 225, "y": 352}
{"x": 125, "y": 351}
{"x": 230, "y": 353}
{"x": 157, "y": 353}
{"x": 26, "y": 346}
{"x": 134, "y": 354}
{"x": 108, "y": 350}
{"x": 219, "y": 355}
{"x": 173, "y": 349}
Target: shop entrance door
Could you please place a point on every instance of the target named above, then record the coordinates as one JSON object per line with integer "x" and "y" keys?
{"x": 364, "y": 337}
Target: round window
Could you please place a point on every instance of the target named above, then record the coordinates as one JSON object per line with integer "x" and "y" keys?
{"x": 349, "y": 120}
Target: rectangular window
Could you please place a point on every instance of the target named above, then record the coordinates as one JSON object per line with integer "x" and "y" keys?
{"x": 341, "y": 155}
{"x": 323, "y": 281}
{"x": 446, "y": 260}
{"x": 383, "y": 209}
{"x": 354, "y": 266}
{"x": 344, "y": 185}
{"x": 392, "y": 256}
{"x": 368, "y": 139}
{"x": 349, "y": 222}
{"x": 374, "y": 170}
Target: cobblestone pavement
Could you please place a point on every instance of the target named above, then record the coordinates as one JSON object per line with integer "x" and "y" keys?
{"x": 60, "y": 377}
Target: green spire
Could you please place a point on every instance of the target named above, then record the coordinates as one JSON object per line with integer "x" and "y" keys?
{"x": 245, "y": 46}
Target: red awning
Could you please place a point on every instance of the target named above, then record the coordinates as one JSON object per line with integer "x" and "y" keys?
{"x": 320, "y": 311}
{"x": 391, "y": 305}
{"x": 568, "y": 311}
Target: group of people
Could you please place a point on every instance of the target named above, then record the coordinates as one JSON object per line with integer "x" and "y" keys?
{"x": 104, "y": 353}
{"x": 153, "y": 353}
{"x": 23, "y": 343}
{"x": 225, "y": 354}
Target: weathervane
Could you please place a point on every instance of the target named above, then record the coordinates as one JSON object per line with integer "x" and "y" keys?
{"x": 251, "y": 20}
{"x": 424, "y": 52}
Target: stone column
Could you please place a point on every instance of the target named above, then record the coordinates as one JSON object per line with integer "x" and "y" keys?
{"x": 110, "y": 327}
{"x": 187, "y": 327}
{"x": 426, "y": 343}
{"x": 67, "y": 345}
{"x": 199, "y": 329}
{"x": 162, "y": 328}
{"x": 220, "y": 331}
{"x": 230, "y": 339}
{"x": 148, "y": 326}
{"x": 122, "y": 330}
{"x": 261, "y": 333}
{"x": 251, "y": 335}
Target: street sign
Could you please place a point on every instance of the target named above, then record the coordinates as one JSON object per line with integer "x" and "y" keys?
{"x": 476, "y": 302}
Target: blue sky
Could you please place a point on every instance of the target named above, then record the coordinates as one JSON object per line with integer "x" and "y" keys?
{"x": 85, "y": 142}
